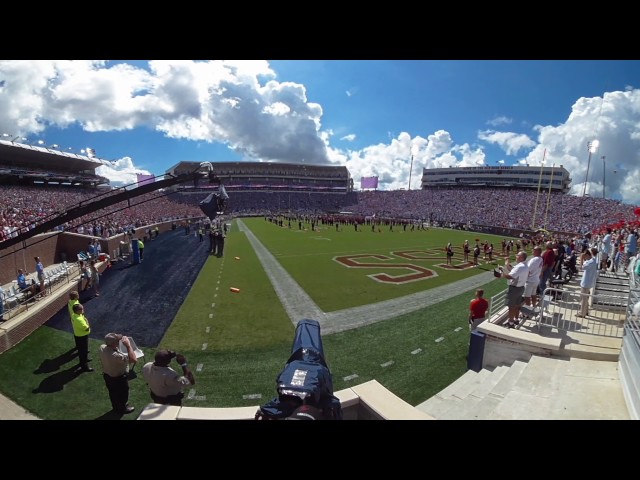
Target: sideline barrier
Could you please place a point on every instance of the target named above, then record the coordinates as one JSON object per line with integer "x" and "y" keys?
{"x": 367, "y": 401}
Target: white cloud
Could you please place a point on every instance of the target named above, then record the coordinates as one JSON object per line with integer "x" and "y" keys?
{"x": 510, "y": 142}
{"x": 501, "y": 120}
{"x": 614, "y": 120}
{"x": 213, "y": 101}
{"x": 243, "y": 105}
{"x": 120, "y": 172}
{"x": 352, "y": 91}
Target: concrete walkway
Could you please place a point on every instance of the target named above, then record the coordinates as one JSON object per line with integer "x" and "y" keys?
{"x": 10, "y": 410}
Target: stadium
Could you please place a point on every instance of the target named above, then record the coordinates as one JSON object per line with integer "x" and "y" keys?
{"x": 302, "y": 243}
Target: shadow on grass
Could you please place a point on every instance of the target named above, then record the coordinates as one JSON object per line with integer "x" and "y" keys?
{"x": 52, "y": 364}
{"x": 57, "y": 381}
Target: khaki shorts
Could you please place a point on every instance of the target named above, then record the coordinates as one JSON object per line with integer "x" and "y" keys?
{"x": 531, "y": 288}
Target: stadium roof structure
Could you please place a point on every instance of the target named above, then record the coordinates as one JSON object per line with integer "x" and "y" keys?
{"x": 19, "y": 154}
{"x": 266, "y": 165}
{"x": 557, "y": 178}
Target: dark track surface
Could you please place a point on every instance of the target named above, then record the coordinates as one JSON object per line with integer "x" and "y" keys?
{"x": 142, "y": 300}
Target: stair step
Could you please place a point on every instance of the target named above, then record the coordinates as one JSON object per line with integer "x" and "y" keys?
{"x": 508, "y": 380}
{"x": 436, "y": 406}
{"x": 461, "y": 401}
{"x": 539, "y": 377}
{"x": 460, "y": 409}
{"x": 440, "y": 402}
{"x": 472, "y": 407}
{"x": 450, "y": 390}
{"x": 483, "y": 390}
{"x": 470, "y": 385}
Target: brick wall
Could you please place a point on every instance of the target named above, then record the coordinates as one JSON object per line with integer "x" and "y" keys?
{"x": 56, "y": 248}
{"x": 51, "y": 248}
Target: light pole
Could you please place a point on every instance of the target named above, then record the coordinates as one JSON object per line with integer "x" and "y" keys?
{"x": 604, "y": 172}
{"x": 592, "y": 147}
{"x": 410, "y": 172}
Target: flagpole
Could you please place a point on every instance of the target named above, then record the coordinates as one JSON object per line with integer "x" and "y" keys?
{"x": 410, "y": 172}
{"x": 535, "y": 209}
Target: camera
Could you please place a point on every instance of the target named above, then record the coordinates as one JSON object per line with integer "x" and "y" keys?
{"x": 172, "y": 354}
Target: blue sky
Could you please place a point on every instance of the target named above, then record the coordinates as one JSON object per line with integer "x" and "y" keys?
{"x": 370, "y": 115}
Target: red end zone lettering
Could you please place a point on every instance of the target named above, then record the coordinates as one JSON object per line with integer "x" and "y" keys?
{"x": 417, "y": 272}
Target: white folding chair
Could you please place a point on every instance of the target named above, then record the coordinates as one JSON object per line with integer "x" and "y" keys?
{"x": 11, "y": 300}
{"x": 17, "y": 294}
{"x": 49, "y": 279}
{"x": 139, "y": 353}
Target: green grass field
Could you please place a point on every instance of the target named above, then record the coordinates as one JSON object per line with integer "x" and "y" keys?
{"x": 237, "y": 343}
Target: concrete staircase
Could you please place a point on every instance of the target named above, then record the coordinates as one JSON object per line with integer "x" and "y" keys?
{"x": 543, "y": 388}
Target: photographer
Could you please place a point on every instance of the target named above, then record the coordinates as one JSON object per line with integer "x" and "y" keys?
{"x": 165, "y": 384}
{"x": 115, "y": 367}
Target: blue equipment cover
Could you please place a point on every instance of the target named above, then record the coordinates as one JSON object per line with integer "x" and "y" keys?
{"x": 305, "y": 379}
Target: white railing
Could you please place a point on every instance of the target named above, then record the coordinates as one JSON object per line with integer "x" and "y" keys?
{"x": 560, "y": 309}
{"x": 497, "y": 302}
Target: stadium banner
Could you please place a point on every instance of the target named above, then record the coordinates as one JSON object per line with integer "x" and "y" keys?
{"x": 142, "y": 178}
{"x": 369, "y": 182}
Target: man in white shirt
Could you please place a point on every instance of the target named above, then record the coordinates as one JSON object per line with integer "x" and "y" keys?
{"x": 589, "y": 278}
{"x": 517, "y": 279}
{"x": 533, "y": 279}
{"x": 605, "y": 251}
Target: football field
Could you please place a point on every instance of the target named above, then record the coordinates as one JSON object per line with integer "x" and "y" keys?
{"x": 389, "y": 306}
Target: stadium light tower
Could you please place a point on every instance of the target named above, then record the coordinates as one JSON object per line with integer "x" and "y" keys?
{"x": 604, "y": 172}
{"x": 592, "y": 147}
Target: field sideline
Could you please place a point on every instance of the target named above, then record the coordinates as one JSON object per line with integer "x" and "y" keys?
{"x": 238, "y": 342}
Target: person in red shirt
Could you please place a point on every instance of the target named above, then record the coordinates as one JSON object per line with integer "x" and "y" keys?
{"x": 477, "y": 310}
{"x": 548, "y": 261}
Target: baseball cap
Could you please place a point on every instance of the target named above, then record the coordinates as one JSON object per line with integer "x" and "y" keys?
{"x": 162, "y": 358}
{"x": 112, "y": 339}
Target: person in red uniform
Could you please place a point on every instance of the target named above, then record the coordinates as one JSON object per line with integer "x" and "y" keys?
{"x": 477, "y": 310}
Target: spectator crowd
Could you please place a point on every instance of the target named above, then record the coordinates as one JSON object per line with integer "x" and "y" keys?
{"x": 24, "y": 207}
